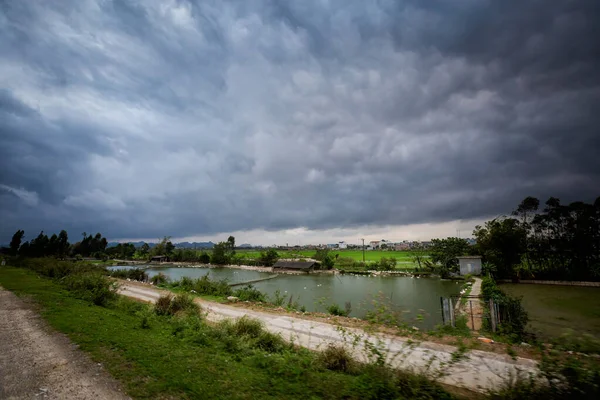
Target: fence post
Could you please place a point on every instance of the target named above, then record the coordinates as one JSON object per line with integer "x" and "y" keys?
{"x": 472, "y": 320}
{"x": 443, "y": 313}
{"x": 493, "y": 315}
{"x": 451, "y": 307}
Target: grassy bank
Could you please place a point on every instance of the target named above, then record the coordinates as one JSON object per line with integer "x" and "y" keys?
{"x": 182, "y": 356}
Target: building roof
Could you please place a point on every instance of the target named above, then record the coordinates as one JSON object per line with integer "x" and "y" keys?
{"x": 468, "y": 257}
{"x": 159, "y": 256}
{"x": 294, "y": 264}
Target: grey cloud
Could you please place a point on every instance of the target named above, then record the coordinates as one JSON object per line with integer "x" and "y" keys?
{"x": 140, "y": 119}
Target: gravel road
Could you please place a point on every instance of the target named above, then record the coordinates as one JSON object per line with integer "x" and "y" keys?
{"x": 475, "y": 370}
{"x": 38, "y": 363}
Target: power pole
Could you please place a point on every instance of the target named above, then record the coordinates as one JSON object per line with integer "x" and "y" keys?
{"x": 363, "y": 250}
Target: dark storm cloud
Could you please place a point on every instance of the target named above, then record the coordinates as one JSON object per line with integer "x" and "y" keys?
{"x": 145, "y": 118}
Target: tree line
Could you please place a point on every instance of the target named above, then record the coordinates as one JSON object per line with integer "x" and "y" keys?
{"x": 96, "y": 246}
{"x": 554, "y": 242}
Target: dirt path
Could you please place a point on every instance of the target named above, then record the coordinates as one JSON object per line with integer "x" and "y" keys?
{"x": 37, "y": 363}
{"x": 475, "y": 370}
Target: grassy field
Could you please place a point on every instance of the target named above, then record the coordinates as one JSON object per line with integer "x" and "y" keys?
{"x": 556, "y": 310}
{"x": 356, "y": 255}
{"x": 184, "y": 357}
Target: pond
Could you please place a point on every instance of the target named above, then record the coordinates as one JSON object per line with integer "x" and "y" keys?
{"x": 416, "y": 299}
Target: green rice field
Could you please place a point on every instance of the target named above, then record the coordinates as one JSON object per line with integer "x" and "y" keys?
{"x": 403, "y": 257}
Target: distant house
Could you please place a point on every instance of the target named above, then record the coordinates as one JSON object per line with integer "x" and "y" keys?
{"x": 401, "y": 246}
{"x": 374, "y": 244}
{"x": 159, "y": 259}
{"x": 342, "y": 245}
{"x": 470, "y": 265}
{"x": 332, "y": 246}
{"x": 305, "y": 266}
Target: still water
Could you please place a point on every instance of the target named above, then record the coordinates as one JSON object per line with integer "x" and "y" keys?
{"x": 416, "y": 299}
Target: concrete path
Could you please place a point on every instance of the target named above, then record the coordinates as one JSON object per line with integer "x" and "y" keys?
{"x": 38, "y": 363}
{"x": 474, "y": 307}
{"x": 475, "y": 370}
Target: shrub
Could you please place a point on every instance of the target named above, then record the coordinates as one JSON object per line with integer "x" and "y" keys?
{"x": 513, "y": 316}
{"x": 136, "y": 274}
{"x": 213, "y": 288}
{"x": 204, "y": 258}
{"x": 336, "y": 358}
{"x": 250, "y": 293}
{"x": 159, "y": 279}
{"x": 248, "y": 326}
{"x": 184, "y": 302}
{"x": 270, "y": 342}
{"x": 268, "y": 258}
{"x": 278, "y": 299}
{"x": 334, "y": 309}
{"x": 93, "y": 287}
{"x": 163, "y": 304}
{"x": 170, "y": 305}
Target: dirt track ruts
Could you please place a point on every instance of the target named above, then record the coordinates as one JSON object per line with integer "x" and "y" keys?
{"x": 39, "y": 363}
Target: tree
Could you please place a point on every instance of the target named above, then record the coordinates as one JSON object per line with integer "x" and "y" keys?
{"x": 231, "y": 246}
{"x": 63, "y": 244}
{"x": 145, "y": 249}
{"x": 220, "y": 254}
{"x": 445, "y": 253}
{"x": 15, "y": 242}
{"x": 268, "y": 258}
{"x": 37, "y": 247}
{"x": 502, "y": 243}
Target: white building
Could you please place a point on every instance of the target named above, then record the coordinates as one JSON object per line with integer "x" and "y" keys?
{"x": 470, "y": 265}
{"x": 342, "y": 245}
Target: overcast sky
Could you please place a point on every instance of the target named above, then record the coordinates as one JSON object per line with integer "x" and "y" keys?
{"x": 293, "y": 121}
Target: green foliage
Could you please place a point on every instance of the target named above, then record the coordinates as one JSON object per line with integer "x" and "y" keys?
{"x": 336, "y": 358}
{"x": 93, "y": 287}
{"x": 89, "y": 245}
{"x": 15, "y": 242}
{"x": 159, "y": 279}
{"x": 136, "y": 274}
{"x": 278, "y": 298}
{"x": 513, "y": 317}
{"x": 171, "y": 305}
{"x": 204, "y": 258}
{"x": 221, "y": 254}
{"x": 122, "y": 251}
{"x": 335, "y": 309}
{"x": 502, "y": 242}
{"x": 444, "y": 253}
{"x": 268, "y": 258}
{"x": 384, "y": 264}
{"x": 205, "y": 286}
{"x": 250, "y": 293}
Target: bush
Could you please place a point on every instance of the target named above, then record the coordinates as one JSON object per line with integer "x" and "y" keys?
{"x": 268, "y": 258}
{"x": 248, "y": 326}
{"x": 336, "y": 358}
{"x": 204, "y": 258}
{"x": 136, "y": 274}
{"x": 163, "y": 304}
{"x": 170, "y": 305}
{"x": 334, "y": 309}
{"x": 513, "y": 316}
{"x": 205, "y": 286}
{"x": 159, "y": 279}
{"x": 93, "y": 287}
{"x": 250, "y": 293}
{"x": 270, "y": 342}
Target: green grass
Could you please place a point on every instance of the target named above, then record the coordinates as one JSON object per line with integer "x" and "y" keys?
{"x": 404, "y": 258}
{"x": 183, "y": 357}
{"x": 556, "y": 310}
